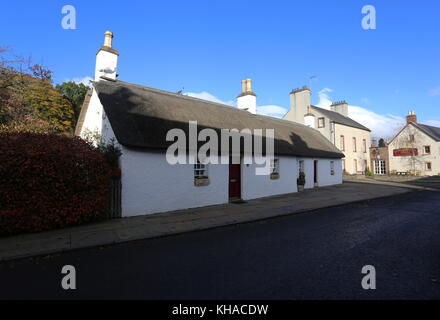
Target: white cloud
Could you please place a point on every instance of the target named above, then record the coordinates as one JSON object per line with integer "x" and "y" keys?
{"x": 85, "y": 80}
{"x": 210, "y": 97}
{"x": 381, "y": 125}
{"x": 324, "y": 100}
{"x": 434, "y": 123}
{"x": 434, "y": 92}
{"x": 271, "y": 110}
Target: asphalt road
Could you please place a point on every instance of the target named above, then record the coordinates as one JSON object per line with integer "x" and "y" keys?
{"x": 317, "y": 255}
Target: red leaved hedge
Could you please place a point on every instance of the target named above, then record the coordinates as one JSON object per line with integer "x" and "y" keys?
{"x": 50, "y": 181}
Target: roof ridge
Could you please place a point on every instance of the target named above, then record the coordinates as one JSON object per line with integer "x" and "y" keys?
{"x": 178, "y": 95}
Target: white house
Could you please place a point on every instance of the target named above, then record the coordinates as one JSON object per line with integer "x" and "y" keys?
{"x": 415, "y": 149}
{"x": 351, "y": 137}
{"x": 138, "y": 118}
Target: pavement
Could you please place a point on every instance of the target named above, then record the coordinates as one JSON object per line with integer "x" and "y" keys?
{"x": 313, "y": 255}
{"x": 164, "y": 224}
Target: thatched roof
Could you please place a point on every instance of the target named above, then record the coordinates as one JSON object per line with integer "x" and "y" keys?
{"x": 142, "y": 116}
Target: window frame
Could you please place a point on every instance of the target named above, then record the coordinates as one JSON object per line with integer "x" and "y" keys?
{"x": 424, "y": 150}
{"x": 301, "y": 166}
{"x": 364, "y": 145}
{"x": 275, "y": 166}
{"x": 332, "y": 167}
{"x": 198, "y": 166}
{"x": 354, "y": 144}
{"x": 430, "y": 166}
{"x": 380, "y": 167}
{"x": 323, "y": 122}
{"x": 342, "y": 142}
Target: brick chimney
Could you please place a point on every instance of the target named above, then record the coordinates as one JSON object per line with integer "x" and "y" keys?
{"x": 247, "y": 100}
{"x": 411, "y": 117}
{"x": 106, "y": 59}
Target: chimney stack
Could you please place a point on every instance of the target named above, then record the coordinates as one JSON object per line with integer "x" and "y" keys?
{"x": 108, "y": 38}
{"x": 340, "y": 107}
{"x": 247, "y": 100}
{"x": 300, "y": 103}
{"x": 106, "y": 59}
{"x": 411, "y": 117}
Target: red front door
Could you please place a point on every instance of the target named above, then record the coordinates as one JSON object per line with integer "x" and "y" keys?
{"x": 234, "y": 181}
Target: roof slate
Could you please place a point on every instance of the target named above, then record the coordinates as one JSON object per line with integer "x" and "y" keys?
{"x": 433, "y": 132}
{"x": 339, "y": 118}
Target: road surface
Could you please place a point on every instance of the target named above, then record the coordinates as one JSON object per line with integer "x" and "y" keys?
{"x": 315, "y": 255}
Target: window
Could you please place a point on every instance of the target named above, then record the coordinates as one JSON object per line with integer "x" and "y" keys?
{"x": 427, "y": 149}
{"x": 411, "y": 138}
{"x": 332, "y": 168}
{"x": 365, "y": 165}
{"x": 321, "y": 123}
{"x": 275, "y": 166}
{"x": 354, "y": 144}
{"x": 364, "y": 145}
{"x": 200, "y": 170}
{"x": 342, "y": 143}
{"x": 343, "y": 165}
{"x": 428, "y": 166}
{"x": 355, "y": 165}
{"x": 380, "y": 167}
{"x": 301, "y": 166}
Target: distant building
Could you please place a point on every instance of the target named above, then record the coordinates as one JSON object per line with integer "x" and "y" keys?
{"x": 415, "y": 149}
{"x": 349, "y": 136}
{"x": 379, "y": 158}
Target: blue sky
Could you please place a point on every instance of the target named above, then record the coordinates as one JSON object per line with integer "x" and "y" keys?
{"x": 209, "y": 46}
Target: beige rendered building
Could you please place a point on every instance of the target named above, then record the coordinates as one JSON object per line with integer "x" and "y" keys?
{"x": 415, "y": 149}
{"x": 352, "y": 138}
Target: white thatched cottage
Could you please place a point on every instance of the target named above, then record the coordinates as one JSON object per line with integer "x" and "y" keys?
{"x": 139, "y": 118}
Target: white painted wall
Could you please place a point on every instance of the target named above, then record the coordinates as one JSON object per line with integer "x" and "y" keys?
{"x": 308, "y": 170}
{"x": 93, "y": 118}
{"x": 248, "y": 102}
{"x": 309, "y": 121}
{"x": 324, "y": 173}
{"x": 106, "y": 64}
{"x": 254, "y": 186}
{"x": 325, "y": 178}
{"x": 151, "y": 185}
